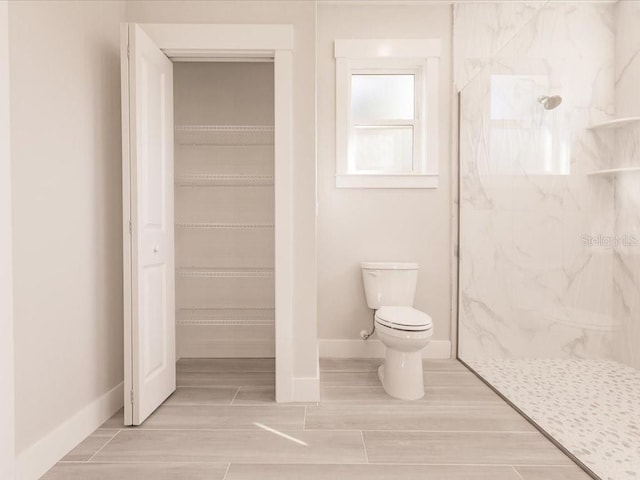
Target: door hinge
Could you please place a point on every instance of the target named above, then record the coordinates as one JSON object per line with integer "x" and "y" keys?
{"x": 130, "y": 227}
{"x": 128, "y": 50}
{"x": 132, "y": 397}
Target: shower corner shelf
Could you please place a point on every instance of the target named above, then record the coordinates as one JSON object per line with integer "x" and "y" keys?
{"x": 615, "y": 123}
{"x": 238, "y": 135}
{"x": 613, "y": 171}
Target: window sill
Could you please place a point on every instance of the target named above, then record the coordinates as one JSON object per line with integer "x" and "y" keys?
{"x": 387, "y": 181}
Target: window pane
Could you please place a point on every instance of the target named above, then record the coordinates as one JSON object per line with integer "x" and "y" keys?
{"x": 383, "y": 149}
{"x": 378, "y": 97}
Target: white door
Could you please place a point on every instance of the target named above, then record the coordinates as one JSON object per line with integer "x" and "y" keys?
{"x": 147, "y": 86}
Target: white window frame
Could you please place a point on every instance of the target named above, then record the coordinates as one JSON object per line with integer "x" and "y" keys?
{"x": 418, "y": 57}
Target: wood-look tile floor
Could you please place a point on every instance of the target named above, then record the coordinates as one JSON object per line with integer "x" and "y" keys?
{"x": 222, "y": 424}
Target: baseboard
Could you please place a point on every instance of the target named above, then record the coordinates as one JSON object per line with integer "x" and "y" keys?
{"x": 306, "y": 389}
{"x": 436, "y": 349}
{"x": 34, "y": 461}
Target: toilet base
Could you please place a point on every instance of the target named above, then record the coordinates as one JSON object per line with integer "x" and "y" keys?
{"x": 401, "y": 375}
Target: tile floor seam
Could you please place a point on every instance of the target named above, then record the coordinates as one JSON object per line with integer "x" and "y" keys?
{"x": 205, "y": 462}
{"x": 218, "y": 405}
{"x": 470, "y": 464}
{"x": 153, "y": 462}
{"x": 107, "y": 443}
{"x": 199, "y": 405}
{"x": 205, "y": 387}
{"x": 225, "y": 370}
{"x": 208, "y": 387}
{"x": 254, "y": 405}
{"x": 394, "y": 430}
{"x": 320, "y": 430}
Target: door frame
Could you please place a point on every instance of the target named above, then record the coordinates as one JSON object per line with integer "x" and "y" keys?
{"x": 184, "y": 42}
{"x": 7, "y": 385}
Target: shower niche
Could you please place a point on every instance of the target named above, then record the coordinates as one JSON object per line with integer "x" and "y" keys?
{"x": 224, "y": 209}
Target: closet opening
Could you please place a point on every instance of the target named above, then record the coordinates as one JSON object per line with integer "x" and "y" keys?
{"x": 224, "y": 222}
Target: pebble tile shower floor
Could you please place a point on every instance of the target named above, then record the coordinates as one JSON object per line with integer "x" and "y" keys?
{"x": 222, "y": 424}
{"x": 589, "y": 406}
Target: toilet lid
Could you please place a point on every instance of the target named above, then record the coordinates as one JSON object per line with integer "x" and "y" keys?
{"x": 404, "y": 318}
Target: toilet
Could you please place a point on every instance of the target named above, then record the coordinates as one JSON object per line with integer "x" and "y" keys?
{"x": 390, "y": 289}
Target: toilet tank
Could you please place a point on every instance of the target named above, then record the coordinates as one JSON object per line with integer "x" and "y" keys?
{"x": 389, "y": 284}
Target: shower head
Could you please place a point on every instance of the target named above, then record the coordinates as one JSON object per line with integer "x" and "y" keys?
{"x": 550, "y": 102}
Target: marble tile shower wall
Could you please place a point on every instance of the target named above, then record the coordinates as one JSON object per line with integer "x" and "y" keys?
{"x": 626, "y": 267}
{"x": 529, "y": 285}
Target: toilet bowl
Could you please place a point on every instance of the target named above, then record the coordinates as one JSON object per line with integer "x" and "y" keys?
{"x": 405, "y": 332}
{"x": 402, "y": 329}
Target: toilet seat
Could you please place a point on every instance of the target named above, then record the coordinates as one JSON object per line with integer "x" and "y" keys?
{"x": 404, "y": 318}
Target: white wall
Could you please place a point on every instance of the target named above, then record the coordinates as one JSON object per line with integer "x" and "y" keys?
{"x": 300, "y": 14}
{"x": 357, "y": 225}
{"x": 66, "y": 163}
{"x": 6, "y": 289}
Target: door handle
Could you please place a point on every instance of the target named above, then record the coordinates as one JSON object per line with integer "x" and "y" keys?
{"x": 156, "y": 248}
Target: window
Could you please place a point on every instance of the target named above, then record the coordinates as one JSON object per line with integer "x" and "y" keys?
{"x": 383, "y": 123}
{"x": 386, "y": 113}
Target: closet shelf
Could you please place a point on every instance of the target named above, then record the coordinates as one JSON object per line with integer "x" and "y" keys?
{"x": 198, "y": 272}
{"x": 614, "y": 171}
{"x": 226, "y": 316}
{"x": 615, "y": 123}
{"x": 224, "y": 226}
{"x": 224, "y": 135}
{"x": 207, "y": 180}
